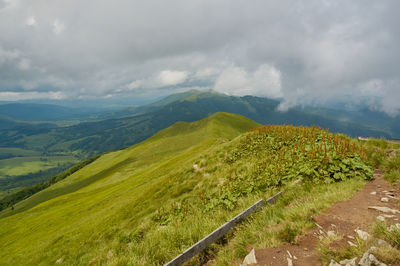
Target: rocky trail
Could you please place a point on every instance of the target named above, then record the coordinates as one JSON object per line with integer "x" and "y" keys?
{"x": 350, "y": 219}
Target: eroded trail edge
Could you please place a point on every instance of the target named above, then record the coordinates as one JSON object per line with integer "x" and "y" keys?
{"x": 349, "y": 219}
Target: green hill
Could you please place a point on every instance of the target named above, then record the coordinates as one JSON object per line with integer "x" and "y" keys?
{"x": 59, "y": 147}
{"x": 144, "y": 204}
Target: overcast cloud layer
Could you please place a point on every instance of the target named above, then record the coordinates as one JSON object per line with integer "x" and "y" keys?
{"x": 302, "y": 51}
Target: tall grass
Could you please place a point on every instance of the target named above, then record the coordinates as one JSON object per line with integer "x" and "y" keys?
{"x": 386, "y": 156}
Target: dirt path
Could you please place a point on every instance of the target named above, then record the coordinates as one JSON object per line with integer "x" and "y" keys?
{"x": 343, "y": 218}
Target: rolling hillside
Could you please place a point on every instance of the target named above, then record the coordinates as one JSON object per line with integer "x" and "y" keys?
{"x": 133, "y": 125}
{"x": 146, "y": 203}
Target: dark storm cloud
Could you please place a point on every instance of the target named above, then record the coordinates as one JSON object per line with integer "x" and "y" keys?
{"x": 301, "y": 51}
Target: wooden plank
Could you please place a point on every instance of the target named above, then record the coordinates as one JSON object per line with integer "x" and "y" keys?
{"x": 272, "y": 199}
{"x": 219, "y": 232}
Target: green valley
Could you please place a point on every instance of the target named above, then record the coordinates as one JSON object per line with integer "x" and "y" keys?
{"x": 147, "y": 203}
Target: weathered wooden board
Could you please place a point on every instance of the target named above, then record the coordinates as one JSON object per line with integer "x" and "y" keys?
{"x": 219, "y": 232}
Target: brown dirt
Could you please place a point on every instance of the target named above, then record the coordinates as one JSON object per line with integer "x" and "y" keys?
{"x": 342, "y": 218}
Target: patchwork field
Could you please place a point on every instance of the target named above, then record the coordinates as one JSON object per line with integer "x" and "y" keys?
{"x": 30, "y": 164}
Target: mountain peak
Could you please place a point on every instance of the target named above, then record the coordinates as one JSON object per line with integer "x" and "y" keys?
{"x": 220, "y": 124}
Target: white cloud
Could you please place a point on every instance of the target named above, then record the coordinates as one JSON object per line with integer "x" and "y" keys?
{"x": 16, "y": 96}
{"x": 8, "y": 55}
{"x": 31, "y": 21}
{"x": 24, "y": 64}
{"x": 382, "y": 95}
{"x": 172, "y": 77}
{"x": 58, "y": 27}
{"x": 10, "y": 4}
{"x": 162, "y": 78}
{"x": 315, "y": 51}
{"x": 207, "y": 72}
{"x": 264, "y": 81}
{"x": 134, "y": 85}
{"x": 233, "y": 80}
{"x": 373, "y": 87}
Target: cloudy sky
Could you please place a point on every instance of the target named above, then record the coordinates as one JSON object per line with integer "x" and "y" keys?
{"x": 309, "y": 51}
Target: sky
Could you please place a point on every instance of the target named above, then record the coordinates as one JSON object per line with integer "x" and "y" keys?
{"x": 301, "y": 52}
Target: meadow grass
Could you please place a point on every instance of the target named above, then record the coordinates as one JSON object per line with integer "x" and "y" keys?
{"x": 147, "y": 203}
{"x": 384, "y": 155}
{"x": 124, "y": 188}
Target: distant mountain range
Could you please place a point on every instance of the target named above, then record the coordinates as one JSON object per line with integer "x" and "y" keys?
{"x": 33, "y": 112}
{"x": 129, "y": 126}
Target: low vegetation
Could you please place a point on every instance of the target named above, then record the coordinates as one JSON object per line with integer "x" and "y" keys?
{"x": 385, "y": 155}
{"x": 146, "y": 204}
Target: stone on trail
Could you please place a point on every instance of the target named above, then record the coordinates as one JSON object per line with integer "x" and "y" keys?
{"x": 380, "y": 218}
{"x": 362, "y": 234}
{"x": 290, "y": 255}
{"x": 289, "y": 262}
{"x": 334, "y": 263}
{"x": 388, "y": 216}
{"x": 351, "y": 262}
{"x": 383, "y": 209}
{"x": 351, "y": 244}
{"x": 383, "y": 243}
{"x": 330, "y": 233}
{"x": 250, "y": 258}
{"x": 384, "y": 199}
{"x": 369, "y": 259}
{"x": 373, "y": 193}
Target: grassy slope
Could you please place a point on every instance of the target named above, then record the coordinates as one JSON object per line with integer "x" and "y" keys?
{"x": 146, "y": 204}
{"x": 77, "y": 218}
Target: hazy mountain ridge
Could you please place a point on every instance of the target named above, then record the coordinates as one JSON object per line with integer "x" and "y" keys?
{"x": 141, "y": 123}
